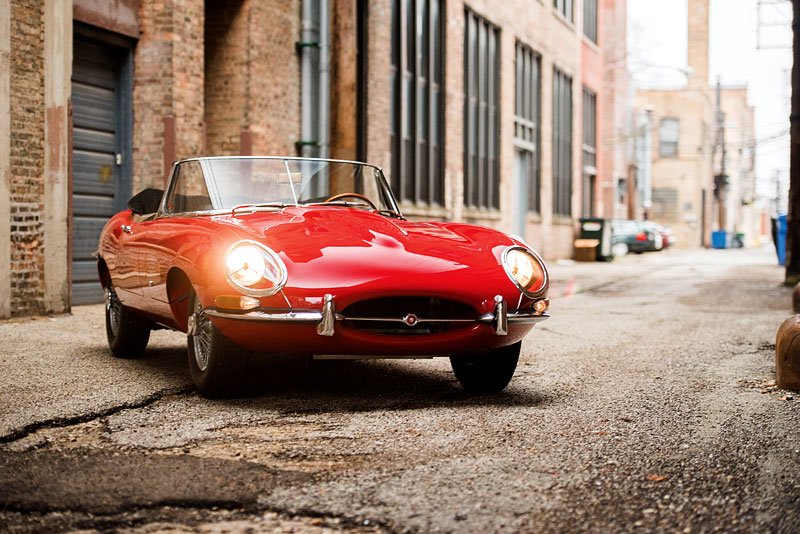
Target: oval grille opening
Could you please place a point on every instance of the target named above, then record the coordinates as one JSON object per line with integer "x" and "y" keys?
{"x": 409, "y": 315}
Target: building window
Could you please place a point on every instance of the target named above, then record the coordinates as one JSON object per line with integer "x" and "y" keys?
{"x": 564, "y": 7}
{"x": 481, "y": 106}
{"x": 589, "y": 151}
{"x": 527, "y": 122}
{"x": 668, "y": 134}
{"x": 590, "y": 20}
{"x": 562, "y": 143}
{"x": 417, "y": 131}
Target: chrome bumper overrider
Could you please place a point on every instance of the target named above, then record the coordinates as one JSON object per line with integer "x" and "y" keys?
{"x": 326, "y": 318}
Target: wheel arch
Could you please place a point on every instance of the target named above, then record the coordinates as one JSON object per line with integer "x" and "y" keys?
{"x": 179, "y": 291}
{"x": 103, "y": 273}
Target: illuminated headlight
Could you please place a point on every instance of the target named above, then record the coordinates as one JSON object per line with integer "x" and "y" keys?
{"x": 525, "y": 269}
{"x": 254, "y": 269}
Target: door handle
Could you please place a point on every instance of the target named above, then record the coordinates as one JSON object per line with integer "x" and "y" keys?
{"x": 127, "y": 228}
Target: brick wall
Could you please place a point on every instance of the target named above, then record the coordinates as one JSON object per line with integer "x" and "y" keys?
{"x": 533, "y": 23}
{"x": 167, "y": 88}
{"x": 226, "y": 66}
{"x": 273, "y": 113}
{"x": 26, "y": 183}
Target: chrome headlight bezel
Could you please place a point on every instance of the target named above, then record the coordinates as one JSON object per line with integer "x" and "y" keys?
{"x": 268, "y": 255}
{"x": 536, "y": 258}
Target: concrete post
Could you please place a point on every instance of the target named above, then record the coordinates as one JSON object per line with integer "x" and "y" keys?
{"x": 5, "y": 154}
{"x": 57, "y": 88}
{"x": 787, "y": 354}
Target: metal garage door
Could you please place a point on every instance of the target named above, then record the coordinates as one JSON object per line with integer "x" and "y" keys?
{"x": 101, "y": 179}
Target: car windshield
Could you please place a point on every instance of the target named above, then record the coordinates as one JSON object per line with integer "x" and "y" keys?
{"x": 241, "y": 182}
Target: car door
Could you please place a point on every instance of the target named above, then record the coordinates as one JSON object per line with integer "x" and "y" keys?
{"x": 169, "y": 231}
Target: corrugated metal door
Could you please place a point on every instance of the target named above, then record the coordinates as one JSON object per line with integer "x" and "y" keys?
{"x": 101, "y": 133}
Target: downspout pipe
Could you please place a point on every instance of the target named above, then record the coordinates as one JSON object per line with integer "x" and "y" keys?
{"x": 314, "y": 50}
{"x": 324, "y": 75}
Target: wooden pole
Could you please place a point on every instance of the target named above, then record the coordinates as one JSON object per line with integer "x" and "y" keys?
{"x": 793, "y": 217}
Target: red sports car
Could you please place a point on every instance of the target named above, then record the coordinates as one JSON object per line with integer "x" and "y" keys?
{"x": 252, "y": 256}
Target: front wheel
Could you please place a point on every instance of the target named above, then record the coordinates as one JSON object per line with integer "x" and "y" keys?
{"x": 486, "y": 372}
{"x": 217, "y": 365}
{"x": 127, "y": 333}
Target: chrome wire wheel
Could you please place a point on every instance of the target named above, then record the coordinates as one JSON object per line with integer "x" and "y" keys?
{"x": 113, "y": 310}
{"x": 200, "y": 328}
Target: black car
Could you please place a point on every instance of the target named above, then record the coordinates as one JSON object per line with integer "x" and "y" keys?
{"x": 634, "y": 236}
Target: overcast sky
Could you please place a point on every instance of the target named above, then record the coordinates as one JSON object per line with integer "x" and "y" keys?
{"x": 657, "y": 57}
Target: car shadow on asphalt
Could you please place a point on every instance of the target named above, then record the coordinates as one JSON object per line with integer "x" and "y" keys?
{"x": 342, "y": 385}
{"x": 336, "y": 385}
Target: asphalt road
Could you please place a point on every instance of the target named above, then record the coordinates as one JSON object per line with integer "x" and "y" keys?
{"x": 645, "y": 403}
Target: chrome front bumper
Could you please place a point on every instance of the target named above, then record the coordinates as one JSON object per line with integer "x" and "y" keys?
{"x": 326, "y": 318}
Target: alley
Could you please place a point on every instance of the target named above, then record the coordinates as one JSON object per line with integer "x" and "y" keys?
{"x": 646, "y": 401}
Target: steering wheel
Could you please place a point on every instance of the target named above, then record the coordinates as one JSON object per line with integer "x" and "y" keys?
{"x": 340, "y": 196}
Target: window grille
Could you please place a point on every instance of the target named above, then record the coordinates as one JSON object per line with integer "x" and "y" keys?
{"x": 589, "y": 151}
{"x": 527, "y": 122}
{"x": 590, "y": 20}
{"x": 481, "y": 118}
{"x": 564, "y": 7}
{"x": 417, "y": 121}
{"x": 562, "y": 143}
{"x": 668, "y": 134}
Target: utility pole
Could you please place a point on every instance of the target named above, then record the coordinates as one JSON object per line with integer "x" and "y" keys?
{"x": 793, "y": 218}
{"x": 721, "y": 177}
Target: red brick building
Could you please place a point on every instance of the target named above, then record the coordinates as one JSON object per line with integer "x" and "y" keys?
{"x": 483, "y": 111}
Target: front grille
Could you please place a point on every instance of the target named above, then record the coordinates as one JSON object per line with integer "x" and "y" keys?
{"x": 399, "y": 307}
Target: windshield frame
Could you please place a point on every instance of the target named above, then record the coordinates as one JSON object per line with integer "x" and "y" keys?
{"x": 212, "y": 187}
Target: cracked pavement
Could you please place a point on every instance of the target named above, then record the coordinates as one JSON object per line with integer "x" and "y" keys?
{"x": 644, "y": 403}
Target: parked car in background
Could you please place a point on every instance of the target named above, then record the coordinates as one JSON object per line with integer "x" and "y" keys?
{"x": 260, "y": 256}
{"x": 668, "y": 237}
{"x": 635, "y": 236}
{"x": 653, "y": 232}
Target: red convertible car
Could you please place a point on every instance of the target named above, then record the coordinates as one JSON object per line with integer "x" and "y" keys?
{"x": 260, "y": 256}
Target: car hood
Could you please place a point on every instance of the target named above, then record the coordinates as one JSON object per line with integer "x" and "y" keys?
{"x": 334, "y": 247}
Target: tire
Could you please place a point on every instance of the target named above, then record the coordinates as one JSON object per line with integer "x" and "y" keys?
{"x": 217, "y": 365}
{"x": 486, "y": 372}
{"x": 619, "y": 249}
{"x": 127, "y": 333}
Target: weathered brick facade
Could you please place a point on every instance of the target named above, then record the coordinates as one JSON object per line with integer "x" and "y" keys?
{"x": 26, "y": 176}
{"x": 224, "y": 77}
{"x": 167, "y": 88}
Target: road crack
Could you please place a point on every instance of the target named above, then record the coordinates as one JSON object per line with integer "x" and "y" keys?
{"x": 63, "y": 422}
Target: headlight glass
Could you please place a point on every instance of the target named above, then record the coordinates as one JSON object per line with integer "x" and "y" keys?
{"x": 526, "y": 270}
{"x": 254, "y": 269}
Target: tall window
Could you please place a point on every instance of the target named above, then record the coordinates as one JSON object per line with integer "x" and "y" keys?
{"x": 527, "y": 122}
{"x": 668, "y": 134}
{"x": 562, "y": 143}
{"x": 564, "y": 7}
{"x": 589, "y": 151}
{"x": 481, "y": 105}
{"x": 416, "y": 101}
{"x": 590, "y": 19}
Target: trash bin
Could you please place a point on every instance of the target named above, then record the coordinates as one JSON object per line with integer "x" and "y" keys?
{"x": 600, "y": 230}
{"x": 780, "y": 241}
{"x": 720, "y": 239}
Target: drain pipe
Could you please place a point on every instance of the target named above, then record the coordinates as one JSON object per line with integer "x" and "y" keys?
{"x": 314, "y": 50}
{"x": 324, "y": 77}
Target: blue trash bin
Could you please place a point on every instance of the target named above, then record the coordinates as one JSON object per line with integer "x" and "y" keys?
{"x": 780, "y": 241}
{"x": 719, "y": 239}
